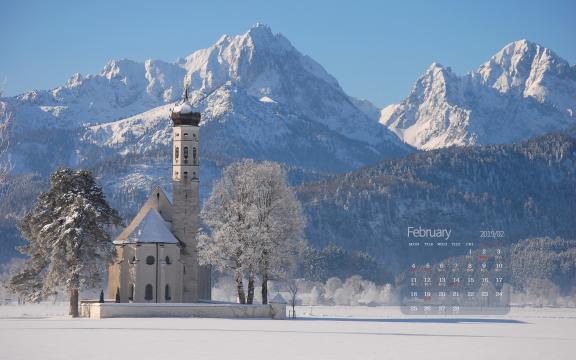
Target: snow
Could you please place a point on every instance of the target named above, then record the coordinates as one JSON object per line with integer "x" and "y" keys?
{"x": 112, "y": 134}
{"x": 366, "y": 107}
{"x": 125, "y": 88}
{"x": 266, "y": 99}
{"x": 44, "y": 332}
{"x": 123, "y": 112}
{"x": 524, "y": 90}
{"x": 152, "y": 229}
{"x": 183, "y": 108}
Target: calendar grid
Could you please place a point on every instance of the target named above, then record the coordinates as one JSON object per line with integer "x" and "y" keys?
{"x": 473, "y": 279}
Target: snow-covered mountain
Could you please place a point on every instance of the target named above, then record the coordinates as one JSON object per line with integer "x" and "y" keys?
{"x": 523, "y": 91}
{"x": 259, "y": 98}
{"x": 366, "y": 107}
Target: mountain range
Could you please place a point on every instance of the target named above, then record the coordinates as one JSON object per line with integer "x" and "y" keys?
{"x": 524, "y": 90}
{"x": 261, "y": 98}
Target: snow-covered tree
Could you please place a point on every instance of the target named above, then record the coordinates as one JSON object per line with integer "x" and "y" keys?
{"x": 277, "y": 235}
{"x": 226, "y": 214}
{"x": 4, "y": 164}
{"x": 541, "y": 292}
{"x": 68, "y": 239}
{"x": 256, "y": 225}
{"x": 544, "y": 258}
{"x": 7, "y": 271}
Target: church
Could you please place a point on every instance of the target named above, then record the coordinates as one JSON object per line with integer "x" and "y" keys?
{"x": 157, "y": 260}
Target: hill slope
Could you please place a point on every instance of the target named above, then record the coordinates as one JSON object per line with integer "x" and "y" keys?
{"x": 525, "y": 189}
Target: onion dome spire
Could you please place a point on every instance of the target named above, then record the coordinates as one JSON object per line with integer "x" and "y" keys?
{"x": 182, "y": 113}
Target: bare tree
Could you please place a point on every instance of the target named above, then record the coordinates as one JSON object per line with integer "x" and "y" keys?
{"x": 292, "y": 285}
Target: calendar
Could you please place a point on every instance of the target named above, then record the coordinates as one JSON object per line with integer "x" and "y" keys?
{"x": 448, "y": 274}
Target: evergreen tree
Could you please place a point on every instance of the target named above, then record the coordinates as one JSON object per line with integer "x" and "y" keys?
{"x": 68, "y": 240}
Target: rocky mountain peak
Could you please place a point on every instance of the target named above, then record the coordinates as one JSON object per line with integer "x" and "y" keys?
{"x": 522, "y": 64}
{"x": 259, "y": 97}
{"x": 524, "y": 90}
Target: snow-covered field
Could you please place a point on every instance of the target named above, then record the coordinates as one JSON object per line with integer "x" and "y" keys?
{"x": 322, "y": 332}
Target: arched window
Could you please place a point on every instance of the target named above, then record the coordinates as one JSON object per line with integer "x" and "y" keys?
{"x": 186, "y": 152}
{"x": 150, "y": 260}
{"x": 167, "y": 295}
{"x": 148, "y": 293}
{"x": 194, "y": 153}
{"x": 168, "y": 261}
{"x": 176, "y": 152}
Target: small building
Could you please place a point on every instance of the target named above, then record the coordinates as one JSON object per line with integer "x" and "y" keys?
{"x": 157, "y": 259}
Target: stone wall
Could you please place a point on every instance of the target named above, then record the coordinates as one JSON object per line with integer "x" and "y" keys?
{"x": 95, "y": 310}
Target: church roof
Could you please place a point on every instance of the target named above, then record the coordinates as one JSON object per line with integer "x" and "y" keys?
{"x": 158, "y": 201}
{"x": 151, "y": 229}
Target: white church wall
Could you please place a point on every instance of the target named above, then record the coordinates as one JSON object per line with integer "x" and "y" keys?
{"x": 133, "y": 268}
{"x": 170, "y": 273}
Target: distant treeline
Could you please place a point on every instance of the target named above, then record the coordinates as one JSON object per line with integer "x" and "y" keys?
{"x": 527, "y": 190}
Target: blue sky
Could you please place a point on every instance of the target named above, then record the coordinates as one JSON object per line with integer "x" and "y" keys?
{"x": 376, "y": 49}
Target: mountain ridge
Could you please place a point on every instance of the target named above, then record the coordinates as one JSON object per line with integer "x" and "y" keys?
{"x": 259, "y": 98}
{"x": 524, "y": 90}
{"x": 258, "y": 70}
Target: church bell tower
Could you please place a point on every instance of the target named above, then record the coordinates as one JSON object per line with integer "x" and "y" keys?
{"x": 196, "y": 283}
